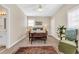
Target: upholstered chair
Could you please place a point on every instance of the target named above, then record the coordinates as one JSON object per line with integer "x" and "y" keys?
{"x": 69, "y": 45}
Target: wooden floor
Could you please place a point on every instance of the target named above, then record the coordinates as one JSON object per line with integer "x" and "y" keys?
{"x": 51, "y": 41}
{"x": 2, "y": 48}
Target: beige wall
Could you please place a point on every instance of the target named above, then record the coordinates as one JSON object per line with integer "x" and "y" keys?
{"x": 52, "y": 27}
{"x": 44, "y": 19}
{"x": 61, "y": 17}
{"x": 17, "y": 28}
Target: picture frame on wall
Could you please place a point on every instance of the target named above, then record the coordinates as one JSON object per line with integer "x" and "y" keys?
{"x": 38, "y": 23}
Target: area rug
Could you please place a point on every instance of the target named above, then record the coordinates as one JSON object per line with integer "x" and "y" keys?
{"x": 36, "y": 50}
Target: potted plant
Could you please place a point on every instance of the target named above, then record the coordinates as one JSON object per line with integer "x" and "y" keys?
{"x": 61, "y": 31}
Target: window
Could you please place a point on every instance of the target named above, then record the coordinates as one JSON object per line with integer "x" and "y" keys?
{"x": 31, "y": 23}
{"x": 73, "y": 19}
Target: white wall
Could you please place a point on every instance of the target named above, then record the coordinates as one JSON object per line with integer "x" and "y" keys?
{"x": 52, "y": 28}
{"x": 17, "y": 24}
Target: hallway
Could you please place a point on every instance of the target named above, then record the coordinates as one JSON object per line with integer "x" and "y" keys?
{"x": 21, "y": 19}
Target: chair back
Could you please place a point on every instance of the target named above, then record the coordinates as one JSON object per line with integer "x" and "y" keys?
{"x": 71, "y": 34}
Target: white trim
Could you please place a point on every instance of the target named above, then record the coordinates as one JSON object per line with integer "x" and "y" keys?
{"x": 16, "y": 41}
{"x": 2, "y": 51}
{"x": 54, "y": 37}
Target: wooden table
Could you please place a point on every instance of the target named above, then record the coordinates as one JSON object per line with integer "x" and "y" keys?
{"x": 35, "y": 36}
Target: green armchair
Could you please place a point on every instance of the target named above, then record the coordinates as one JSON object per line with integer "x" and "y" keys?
{"x": 69, "y": 44}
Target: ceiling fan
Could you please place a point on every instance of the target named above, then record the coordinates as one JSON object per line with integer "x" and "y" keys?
{"x": 40, "y": 8}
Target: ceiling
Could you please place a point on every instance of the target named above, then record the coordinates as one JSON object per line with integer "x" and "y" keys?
{"x": 48, "y": 9}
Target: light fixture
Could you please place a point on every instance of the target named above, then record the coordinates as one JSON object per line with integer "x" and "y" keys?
{"x": 40, "y": 8}
{"x": 2, "y": 12}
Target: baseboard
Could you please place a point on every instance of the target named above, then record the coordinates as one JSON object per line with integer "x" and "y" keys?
{"x": 17, "y": 41}
{"x": 1, "y": 52}
{"x": 54, "y": 37}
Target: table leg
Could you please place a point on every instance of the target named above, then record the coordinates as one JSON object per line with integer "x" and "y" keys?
{"x": 31, "y": 40}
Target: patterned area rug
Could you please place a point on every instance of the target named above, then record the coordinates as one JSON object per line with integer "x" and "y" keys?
{"x": 36, "y": 50}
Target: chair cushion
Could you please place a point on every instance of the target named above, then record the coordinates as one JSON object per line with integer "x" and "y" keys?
{"x": 69, "y": 42}
{"x": 66, "y": 48}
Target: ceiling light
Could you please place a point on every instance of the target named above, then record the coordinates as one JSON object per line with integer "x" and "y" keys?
{"x": 40, "y": 8}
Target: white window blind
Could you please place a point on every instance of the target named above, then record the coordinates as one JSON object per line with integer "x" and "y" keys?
{"x": 73, "y": 19}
